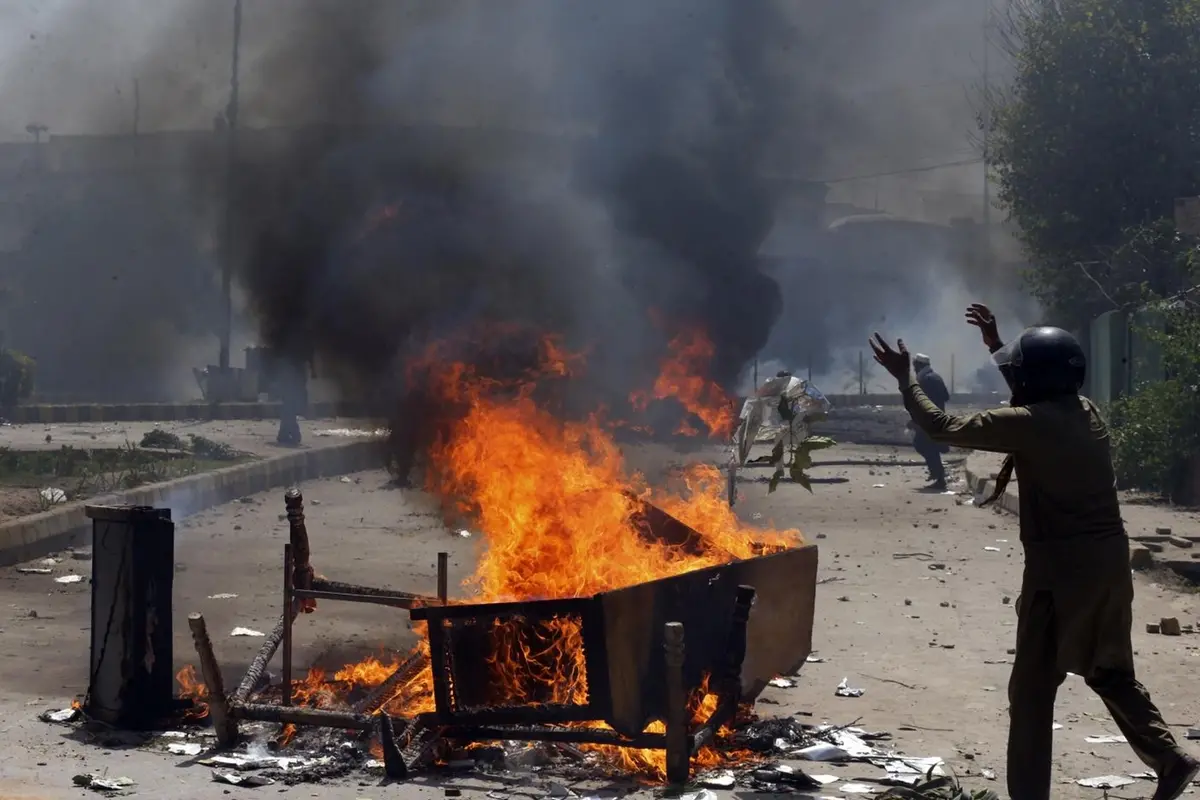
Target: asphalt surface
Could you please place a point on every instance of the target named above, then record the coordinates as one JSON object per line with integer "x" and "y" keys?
{"x": 928, "y": 644}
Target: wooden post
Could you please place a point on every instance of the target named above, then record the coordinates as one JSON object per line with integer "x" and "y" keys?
{"x": 131, "y": 683}
{"x": 302, "y": 578}
{"x": 443, "y": 577}
{"x": 678, "y": 746}
{"x": 393, "y": 760}
{"x": 288, "y": 606}
{"x": 224, "y": 725}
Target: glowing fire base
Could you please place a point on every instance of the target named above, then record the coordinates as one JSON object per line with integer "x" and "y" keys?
{"x": 629, "y": 644}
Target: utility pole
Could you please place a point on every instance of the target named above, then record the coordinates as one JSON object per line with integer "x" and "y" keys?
{"x": 231, "y": 120}
{"x": 987, "y": 135}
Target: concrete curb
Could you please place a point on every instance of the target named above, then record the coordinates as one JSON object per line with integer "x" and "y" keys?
{"x": 170, "y": 412}
{"x": 983, "y": 487}
{"x": 1140, "y": 556}
{"x": 40, "y": 534}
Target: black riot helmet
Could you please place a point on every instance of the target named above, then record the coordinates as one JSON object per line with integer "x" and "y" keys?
{"x": 1043, "y": 363}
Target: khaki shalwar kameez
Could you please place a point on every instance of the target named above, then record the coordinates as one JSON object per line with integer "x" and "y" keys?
{"x": 1075, "y": 607}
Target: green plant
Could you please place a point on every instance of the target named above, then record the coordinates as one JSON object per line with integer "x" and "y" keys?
{"x": 800, "y": 462}
{"x": 1156, "y": 429}
{"x": 162, "y": 440}
{"x": 16, "y": 379}
{"x": 209, "y": 450}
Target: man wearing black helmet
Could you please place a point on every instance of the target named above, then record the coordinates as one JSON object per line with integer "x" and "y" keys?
{"x": 1075, "y": 610}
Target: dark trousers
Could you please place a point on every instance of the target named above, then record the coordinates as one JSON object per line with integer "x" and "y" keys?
{"x": 1035, "y": 679}
{"x": 932, "y": 453}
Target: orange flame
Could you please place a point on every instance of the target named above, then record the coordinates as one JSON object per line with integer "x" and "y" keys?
{"x": 555, "y": 504}
{"x": 194, "y": 689}
{"x": 680, "y": 378}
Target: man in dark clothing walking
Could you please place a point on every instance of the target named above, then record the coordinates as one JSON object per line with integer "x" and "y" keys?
{"x": 935, "y": 389}
{"x": 1075, "y": 610}
{"x": 291, "y": 374}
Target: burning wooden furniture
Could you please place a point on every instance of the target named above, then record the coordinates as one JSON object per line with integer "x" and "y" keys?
{"x": 646, "y": 653}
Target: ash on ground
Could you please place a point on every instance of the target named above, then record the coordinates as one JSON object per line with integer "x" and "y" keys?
{"x": 755, "y": 756}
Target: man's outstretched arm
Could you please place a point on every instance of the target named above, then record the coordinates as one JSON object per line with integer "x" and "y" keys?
{"x": 1002, "y": 430}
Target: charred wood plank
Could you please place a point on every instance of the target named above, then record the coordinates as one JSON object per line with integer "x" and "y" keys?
{"x": 479, "y": 733}
{"x": 224, "y": 725}
{"x": 258, "y": 666}
{"x": 318, "y": 717}
{"x": 355, "y": 597}
{"x": 339, "y": 587}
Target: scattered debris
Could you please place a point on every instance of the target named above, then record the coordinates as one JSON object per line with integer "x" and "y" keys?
{"x": 61, "y": 717}
{"x": 185, "y": 748}
{"x": 703, "y": 794}
{"x": 988, "y": 774}
{"x": 814, "y": 659}
{"x": 720, "y": 780}
{"x": 782, "y": 683}
{"x": 781, "y": 779}
{"x": 33, "y": 570}
{"x": 345, "y": 479}
{"x": 1105, "y": 782}
{"x": 844, "y": 690}
{"x": 1169, "y": 626}
{"x": 991, "y": 549}
{"x": 822, "y": 751}
{"x": 234, "y": 779}
{"x": 1105, "y": 740}
{"x": 69, "y": 579}
{"x": 857, "y": 788}
{"x": 878, "y": 485}
{"x": 222, "y": 596}
{"x": 246, "y": 632}
{"x": 53, "y": 495}
{"x": 825, "y": 780}
{"x": 99, "y": 784}
{"x": 464, "y": 534}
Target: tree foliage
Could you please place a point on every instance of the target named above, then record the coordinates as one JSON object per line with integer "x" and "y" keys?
{"x": 1156, "y": 429}
{"x": 1097, "y": 136}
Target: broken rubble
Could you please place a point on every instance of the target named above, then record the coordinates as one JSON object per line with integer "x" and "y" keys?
{"x": 98, "y": 783}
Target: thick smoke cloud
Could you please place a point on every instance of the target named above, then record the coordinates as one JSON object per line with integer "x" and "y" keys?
{"x": 645, "y": 198}
{"x": 564, "y": 162}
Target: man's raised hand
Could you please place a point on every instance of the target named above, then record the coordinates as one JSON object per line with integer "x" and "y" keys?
{"x": 982, "y": 317}
{"x": 897, "y": 362}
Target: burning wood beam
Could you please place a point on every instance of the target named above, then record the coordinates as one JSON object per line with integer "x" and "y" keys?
{"x": 224, "y": 725}
{"x": 384, "y": 691}
{"x": 678, "y": 743}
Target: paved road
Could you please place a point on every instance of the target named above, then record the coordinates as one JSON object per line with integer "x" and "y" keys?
{"x": 928, "y": 646}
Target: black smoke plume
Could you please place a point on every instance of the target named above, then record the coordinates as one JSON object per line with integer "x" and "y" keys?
{"x": 635, "y": 194}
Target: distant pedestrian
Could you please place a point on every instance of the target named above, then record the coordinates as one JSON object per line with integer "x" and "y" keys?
{"x": 935, "y": 389}
{"x": 292, "y": 373}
